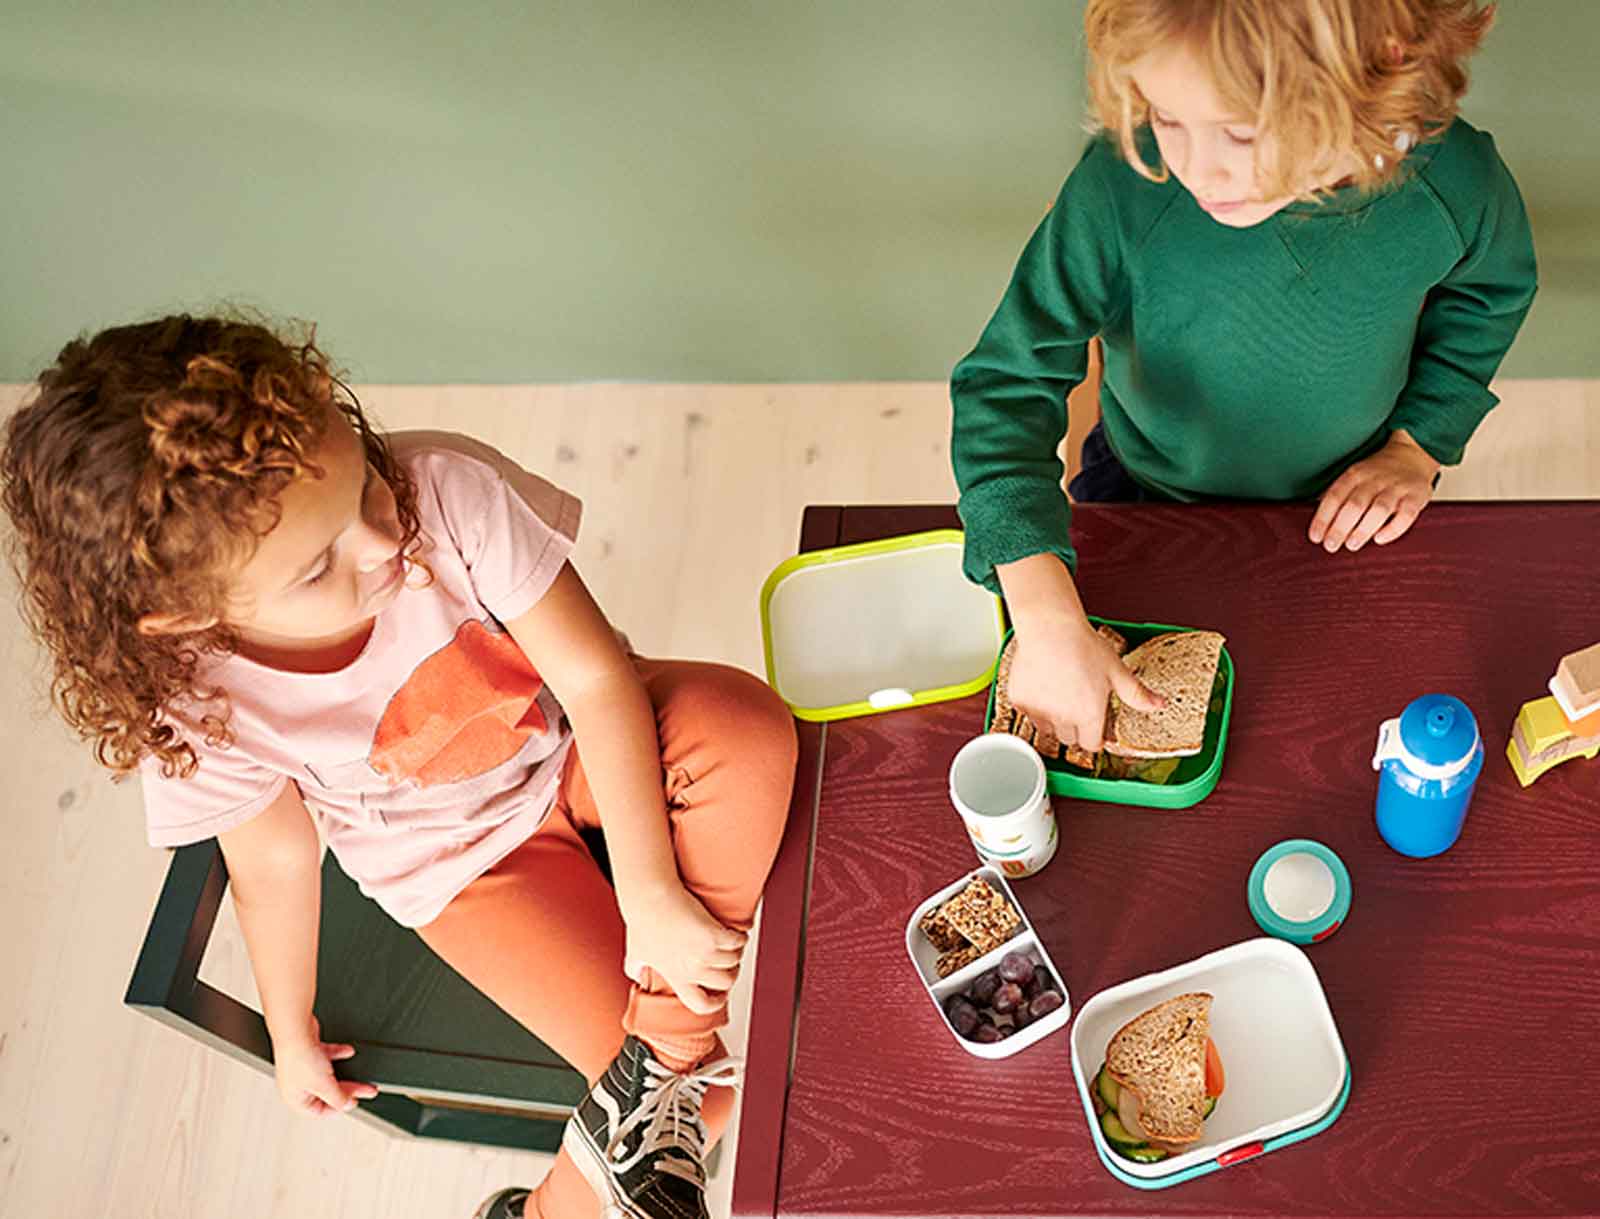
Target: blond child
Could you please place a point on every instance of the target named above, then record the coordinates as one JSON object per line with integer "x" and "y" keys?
{"x": 1303, "y": 269}
{"x": 293, "y": 627}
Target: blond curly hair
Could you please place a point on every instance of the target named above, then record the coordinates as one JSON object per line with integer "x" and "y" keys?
{"x": 1328, "y": 83}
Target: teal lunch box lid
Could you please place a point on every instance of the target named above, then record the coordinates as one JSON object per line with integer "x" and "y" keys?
{"x": 1195, "y": 777}
{"x": 1299, "y": 891}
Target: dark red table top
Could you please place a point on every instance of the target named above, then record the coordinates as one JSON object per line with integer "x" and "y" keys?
{"x": 1466, "y": 988}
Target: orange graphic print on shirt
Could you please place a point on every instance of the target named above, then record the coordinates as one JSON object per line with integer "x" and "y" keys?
{"x": 465, "y": 710}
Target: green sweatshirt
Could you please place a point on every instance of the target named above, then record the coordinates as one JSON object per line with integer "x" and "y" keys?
{"x": 1249, "y": 363}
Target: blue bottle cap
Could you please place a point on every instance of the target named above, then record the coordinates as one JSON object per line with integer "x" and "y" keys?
{"x": 1299, "y": 891}
{"x": 1439, "y": 730}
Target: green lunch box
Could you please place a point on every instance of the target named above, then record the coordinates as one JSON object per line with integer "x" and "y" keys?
{"x": 1195, "y": 776}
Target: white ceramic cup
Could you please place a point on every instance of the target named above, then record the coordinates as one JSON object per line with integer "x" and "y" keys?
{"x": 997, "y": 783}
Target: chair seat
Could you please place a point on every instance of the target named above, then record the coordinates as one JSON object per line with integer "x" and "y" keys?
{"x": 451, "y": 1064}
{"x": 420, "y": 1028}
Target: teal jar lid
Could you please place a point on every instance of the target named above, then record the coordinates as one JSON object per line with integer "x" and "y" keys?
{"x": 1299, "y": 891}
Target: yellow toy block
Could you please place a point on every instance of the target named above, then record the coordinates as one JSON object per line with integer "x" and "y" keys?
{"x": 1518, "y": 766}
{"x": 1543, "y": 738}
{"x": 1542, "y": 725}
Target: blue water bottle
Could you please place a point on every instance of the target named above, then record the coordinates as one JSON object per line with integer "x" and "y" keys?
{"x": 1429, "y": 760}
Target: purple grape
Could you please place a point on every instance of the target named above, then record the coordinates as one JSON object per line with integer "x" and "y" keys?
{"x": 983, "y": 986}
{"x": 1023, "y": 1016}
{"x": 987, "y": 1034}
{"x": 1014, "y": 967}
{"x": 1045, "y": 1002}
{"x": 1041, "y": 975}
{"x": 962, "y": 1014}
{"x": 1007, "y": 998}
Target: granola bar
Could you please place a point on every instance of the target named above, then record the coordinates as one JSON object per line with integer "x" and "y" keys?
{"x": 981, "y": 915}
{"x": 949, "y": 962}
{"x": 940, "y": 933}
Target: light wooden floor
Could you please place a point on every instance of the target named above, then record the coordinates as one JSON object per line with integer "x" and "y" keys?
{"x": 692, "y": 494}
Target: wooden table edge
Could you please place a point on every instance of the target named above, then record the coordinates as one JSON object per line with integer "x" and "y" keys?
{"x": 780, "y": 959}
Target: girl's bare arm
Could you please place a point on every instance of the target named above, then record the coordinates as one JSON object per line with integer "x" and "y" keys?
{"x": 275, "y": 863}
{"x": 275, "y": 868}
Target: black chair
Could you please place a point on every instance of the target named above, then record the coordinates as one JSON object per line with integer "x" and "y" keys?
{"x": 451, "y": 1064}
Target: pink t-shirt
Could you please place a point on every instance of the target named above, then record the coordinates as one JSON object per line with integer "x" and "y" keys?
{"x": 437, "y": 751}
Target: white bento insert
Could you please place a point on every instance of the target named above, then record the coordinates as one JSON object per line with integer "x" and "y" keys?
{"x": 924, "y": 957}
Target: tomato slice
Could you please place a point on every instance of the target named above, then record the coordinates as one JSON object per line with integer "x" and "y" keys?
{"x": 1214, "y": 1077}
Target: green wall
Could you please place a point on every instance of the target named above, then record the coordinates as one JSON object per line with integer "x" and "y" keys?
{"x": 500, "y": 192}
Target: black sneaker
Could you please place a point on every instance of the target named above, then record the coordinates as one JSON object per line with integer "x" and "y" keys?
{"x": 638, "y": 1138}
{"x": 507, "y": 1204}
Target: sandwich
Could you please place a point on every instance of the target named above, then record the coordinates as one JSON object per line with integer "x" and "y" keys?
{"x": 1181, "y": 666}
{"x": 1008, "y": 718}
{"x": 1160, "y": 1080}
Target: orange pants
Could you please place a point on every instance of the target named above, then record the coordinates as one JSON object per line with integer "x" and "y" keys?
{"x": 540, "y": 932}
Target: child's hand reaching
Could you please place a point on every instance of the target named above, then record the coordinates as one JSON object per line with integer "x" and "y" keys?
{"x": 1062, "y": 676}
{"x": 1378, "y": 499}
{"x": 306, "y": 1081}
{"x": 671, "y": 933}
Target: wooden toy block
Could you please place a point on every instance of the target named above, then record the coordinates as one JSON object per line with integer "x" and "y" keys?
{"x": 1542, "y": 738}
{"x": 1589, "y": 725}
{"x": 1576, "y": 684}
{"x": 1540, "y": 724}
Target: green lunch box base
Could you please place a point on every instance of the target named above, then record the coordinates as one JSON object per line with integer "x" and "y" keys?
{"x": 1228, "y": 1158}
{"x": 1195, "y": 776}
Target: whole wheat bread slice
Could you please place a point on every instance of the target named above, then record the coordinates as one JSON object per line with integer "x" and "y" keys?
{"x": 1181, "y": 666}
{"x": 1009, "y": 718}
{"x": 1161, "y": 1057}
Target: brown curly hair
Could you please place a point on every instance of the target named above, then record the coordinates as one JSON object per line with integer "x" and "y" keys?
{"x": 1326, "y": 79}
{"x": 142, "y": 473}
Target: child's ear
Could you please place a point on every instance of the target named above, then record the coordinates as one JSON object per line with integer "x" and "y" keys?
{"x": 175, "y": 624}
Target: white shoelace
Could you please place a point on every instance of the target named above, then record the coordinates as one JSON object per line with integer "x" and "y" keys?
{"x": 669, "y": 1110}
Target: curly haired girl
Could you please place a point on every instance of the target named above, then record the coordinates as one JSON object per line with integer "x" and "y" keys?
{"x": 290, "y": 626}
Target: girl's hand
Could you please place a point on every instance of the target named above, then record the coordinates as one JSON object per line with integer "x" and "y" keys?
{"x": 1062, "y": 677}
{"x": 1378, "y": 499}
{"x": 671, "y": 933}
{"x": 304, "y": 1067}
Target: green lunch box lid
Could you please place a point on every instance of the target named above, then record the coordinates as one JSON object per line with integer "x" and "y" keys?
{"x": 1196, "y": 776}
{"x": 876, "y": 626}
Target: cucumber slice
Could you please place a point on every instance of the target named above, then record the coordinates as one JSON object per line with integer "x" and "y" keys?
{"x": 1211, "y": 1103}
{"x": 1143, "y": 1154}
{"x": 1116, "y": 1132}
{"x": 1107, "y": 1087}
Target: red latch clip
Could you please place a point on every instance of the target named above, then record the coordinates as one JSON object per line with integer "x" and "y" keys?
{"x": 1324, "y": 933}
{"x": 1239, "y": 1153}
